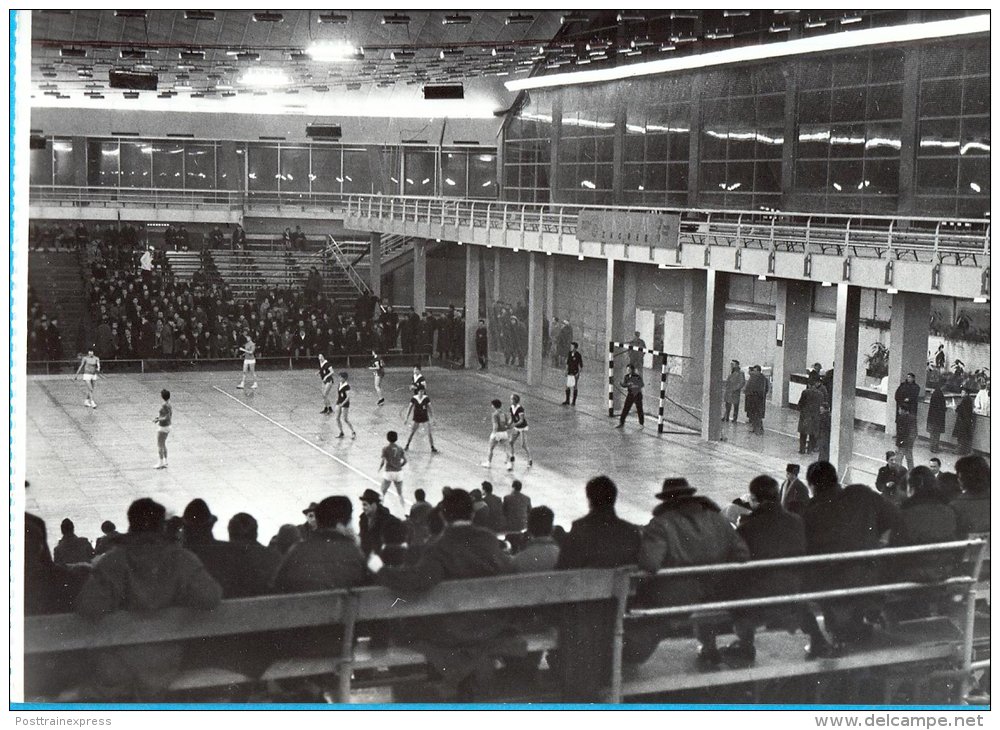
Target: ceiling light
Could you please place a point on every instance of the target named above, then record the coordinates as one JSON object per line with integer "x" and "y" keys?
{"x": 248, "y": 56}
{"x": 779, "y": 29}
{"x": 401, "y": 55}
{"x": 332, "y": 18}
{"x": 132, "y": 54}
{"x": 518, "y": 18}
{"x": 73, "y": 52}
{"x": 580, "y": 257}
{"x": 450, "y": 53}
{"x": 267, "y": 17}
{"x": 680, "y": 15}
{"x": 827, "y": 283}
{"x": 968, "y": 25}
{"x": 199, "y": 15}
{"x": 455, "y": 19}
{"x": 718, "y": 35}
{"x": 573, "y": 18}
{"x": 130, "y": 94}
{"x": 395, "y": 19}
{"x": 849, "y": 19}
{"x": 735, "y": 13}
{"x": 892, "y": 291}
{"x": 810, "y": 23}
{"x": 683, "y": 39}
{"x": 980, "y": 300}
{"x": 265, "y": 78}
{"x": 130, "y": 13}
{"x": 628, "y": 17}
{"x": 354, "y": 86}
{"x": 331, "y": 51}
{"x": 191, "y": 55}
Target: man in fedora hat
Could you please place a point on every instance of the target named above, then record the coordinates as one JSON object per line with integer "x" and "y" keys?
{"x": 375, "y": 516}
{"x": 686, "y": 529}
{"x": 310, "y": 524}
{"x": 329, "y": 558}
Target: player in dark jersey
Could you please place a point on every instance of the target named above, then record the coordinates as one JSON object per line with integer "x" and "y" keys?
{"x": 574, "y": 365}
{"x": 418, "y": 378}
{"x": 162, "y": 422}
{"x": 378, "y": 368}
{"x": 420, "y": 410}
{"x": 519, "y": 421}
{"x": 344, "y": 405}
{"x": 326, "y": 377}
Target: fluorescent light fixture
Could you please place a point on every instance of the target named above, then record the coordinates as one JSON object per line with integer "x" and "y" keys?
{"x": 761, "y": 277}
{"x": 265, "y": 78}
{"x": 73, "y": 53}
{"x": 719, "y": 35}
{"x": 827, "y": 283}
{"x": 849, "y": 19}
{"x": 810, "y": 23}
{"x": 629, "y": 17}
{"x": 133, "y": 54}
{"x": 199, "y": 15}
{"x": 130, "y": 13}
{"x": 516, "y": 249}
{"x": 191, "y": 55}
{"x": 892, "y": 291}
{"x": 248, "y": 56}
{"x": 980, "y": 300}
{"x": 573, "y": 18}
{"x": 268, "y": 17}
{"x": 681, "y": 15}
{"x": 826, "y": 42}
{"x": 401, "y": 55}
{"x": 580, "y": 257}
{"x": 395, "y": 19}
{"x": 779, "y": 29}
{"x": 458, "y": 242}
{"x": 332, "y": 18}
{"x": 735, "y": 13}
{"x": 456, "y": 19}
{"x": 331, "y": 51}
{"x": 519, "y": 18}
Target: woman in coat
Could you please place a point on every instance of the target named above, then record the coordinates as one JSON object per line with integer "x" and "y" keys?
{"x": 935, "y": 418}
{"x": 965, "y": 423}
{"x": 809, "y": 416}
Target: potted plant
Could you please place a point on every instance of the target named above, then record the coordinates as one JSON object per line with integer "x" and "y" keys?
{"x": 877, "y": 361}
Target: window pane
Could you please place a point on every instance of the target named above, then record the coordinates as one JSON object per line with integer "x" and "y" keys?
{"x": 41, "y": 166}
{"x": 137, "y": 159}
{"x": 102, "y": 163}
{"x": 482, "y": 175}
{"x": 453, "y": 172}
{"x": 168, "y": 165}
{"x": 294, "y": 173}
{"x": 262, "y": 163}
{"x": 357, "y": 172}
{"x": 418, "y": 172}
{"x": 62, "y": 162}
{"x": 199, "y": 166}
{"x": 325, "y": 173}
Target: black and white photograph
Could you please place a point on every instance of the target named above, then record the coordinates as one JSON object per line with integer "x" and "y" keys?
{"x": 491, "y": 359}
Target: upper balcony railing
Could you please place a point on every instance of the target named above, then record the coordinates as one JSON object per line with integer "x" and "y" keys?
{"x": 958, "y": 241}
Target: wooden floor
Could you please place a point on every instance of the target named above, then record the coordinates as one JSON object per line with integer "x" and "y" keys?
{"x": 270, "y": 452}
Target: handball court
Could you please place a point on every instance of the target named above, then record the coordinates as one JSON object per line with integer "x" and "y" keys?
{"x": 270, "y": 451}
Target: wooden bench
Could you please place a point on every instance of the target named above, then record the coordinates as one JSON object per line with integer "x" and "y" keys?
{"x": 944, "y": 638}
{"x": 342, "y": 611}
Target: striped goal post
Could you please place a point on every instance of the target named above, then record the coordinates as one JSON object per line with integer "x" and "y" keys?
{"x": 617, "y": 348}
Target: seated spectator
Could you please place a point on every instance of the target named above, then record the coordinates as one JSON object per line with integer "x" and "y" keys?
{"x": 108, "y": 539}
{"x": 891, "y": 478}
{"x": 480, "y": 510}
{"x": 328, "y": 558}
{"x": 255, "y": 564}
{"x": 285, "y": 538}
{"x": 143, "y": 572}
{"x": 842, "y": 519}
{"x": 516, "y": 506}
{"x": 600, "y": 539}
{"x": 794, "y": 492}
{"x": 541, "y": 553}
{"x": 736, "y": 510}
{"x": 395, "y": 550}
{"x": 495, "y": 519}
{"x": 375, "y": 517}
{"x": 973, "y": 504}
{"x": 949, "y": 485}
{"x": 461, "y": 647}
{"x": 310, "y": 524}
{"x": 686, "y": 529}
{"x": 72, "y": 548}
{"x": 48, "y": 586}
{"x": 925, "y": 518}
{"x": 770, "y": 532}
{"x": 221, "y": 559}
{"x": 419, "y": 514}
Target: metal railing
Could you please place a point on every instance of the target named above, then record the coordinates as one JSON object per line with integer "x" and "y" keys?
{"x": 333, "y": 248}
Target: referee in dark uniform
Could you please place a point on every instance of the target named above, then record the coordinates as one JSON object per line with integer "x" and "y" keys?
{"x": 574, "y": 364}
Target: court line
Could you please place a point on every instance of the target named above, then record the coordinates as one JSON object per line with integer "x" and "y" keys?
{"x": 300, "y": 438}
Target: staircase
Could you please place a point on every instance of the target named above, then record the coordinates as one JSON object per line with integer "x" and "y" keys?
{"x": 238, "y": 271}
{"x": 183, "y": 264}
{"x": 57, "y": 280}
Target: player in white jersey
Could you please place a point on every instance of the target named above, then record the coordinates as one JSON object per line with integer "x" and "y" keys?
{"x": 499, "y": 435}
{"x": 163, "y": 421}
{"x": 90, "y": 366}
{"x": 393, "y": 461}
{"x": 344, "y": 406}
{"x": 249, "y": 361}
{"x": 519, "y": 421}
{"x": 326, "y": 376}
{"x": 378, "y": 368}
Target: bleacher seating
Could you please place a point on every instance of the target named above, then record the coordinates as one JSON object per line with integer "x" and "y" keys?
{"x": 939, "y": 643}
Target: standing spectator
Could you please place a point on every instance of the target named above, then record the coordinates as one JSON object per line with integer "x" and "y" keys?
{"x": 906, "y": 434}
{"x": 633, "y": 386}
{"x": 239, "y": 238}
{"x": 600, "y": 539}
{"x": 973, "y": 504}
{"x": 636, "y": 353}
{"x": 541, "y": 552}
{"x": 109, "y": 538}
{"x": 809, "y": 415}
{"x": 495, "y": 519}
{"x": 563, "y": 339}
{"x": 71, "y": 548}
{"x": 145, "y": 572}
{"x": 794, "y": 494}
{"x": 48, "y": 586}
{"x": 940, "y": 361}
{"x": 516, "y": 507}
{"x": 328, "y": 558}
{"x": 755, "y": 397}
{"x": 482, "y": 345}
{"x": 733, "y": 385}
{"x": 770, "y": 532}
{"x": 823, "y": 433}
{"x": 54, "y": 348}
{"x": 374, "y": 518}
{"x": 420, "y": 513}
{"x": 965, "y": 422}
{"x": 908, "y": 395}
{"x": 936, "y": 412}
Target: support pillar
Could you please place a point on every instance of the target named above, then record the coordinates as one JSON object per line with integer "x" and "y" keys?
{"x": 536, "y": 310}
{"x": 693, "y": 344}
{"x": 472, "y": 258}
{"x": 496, "y": 275}
{"x": 845, "y": 378}
{"x": 550, "y": 288}
{"x": 714, "y": 304}
{"x": 793, "y": 301}
{"x": 419, "y": 276}
{"x": 908, "y": 328}
{"x": 375, "y": 268}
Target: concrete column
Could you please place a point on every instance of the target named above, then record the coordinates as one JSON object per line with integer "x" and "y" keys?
{"x": 375, "y": 268}
{"x": 623, "y": 286}
{"x": 472, "y": 258}
{"x": 496, "y": 275}
{"x": 419, "y": 276}
{"x": 791, "y": 334}
{"x": 80, "y": 174}
{"x": 536, "y": 310}
{"x": 845, "y": 378}
{"x": 716, "y": 295}
{"x": 693, "y": 344}
{"x": 908, "y": 328}
{"x": 550, "y": 288}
